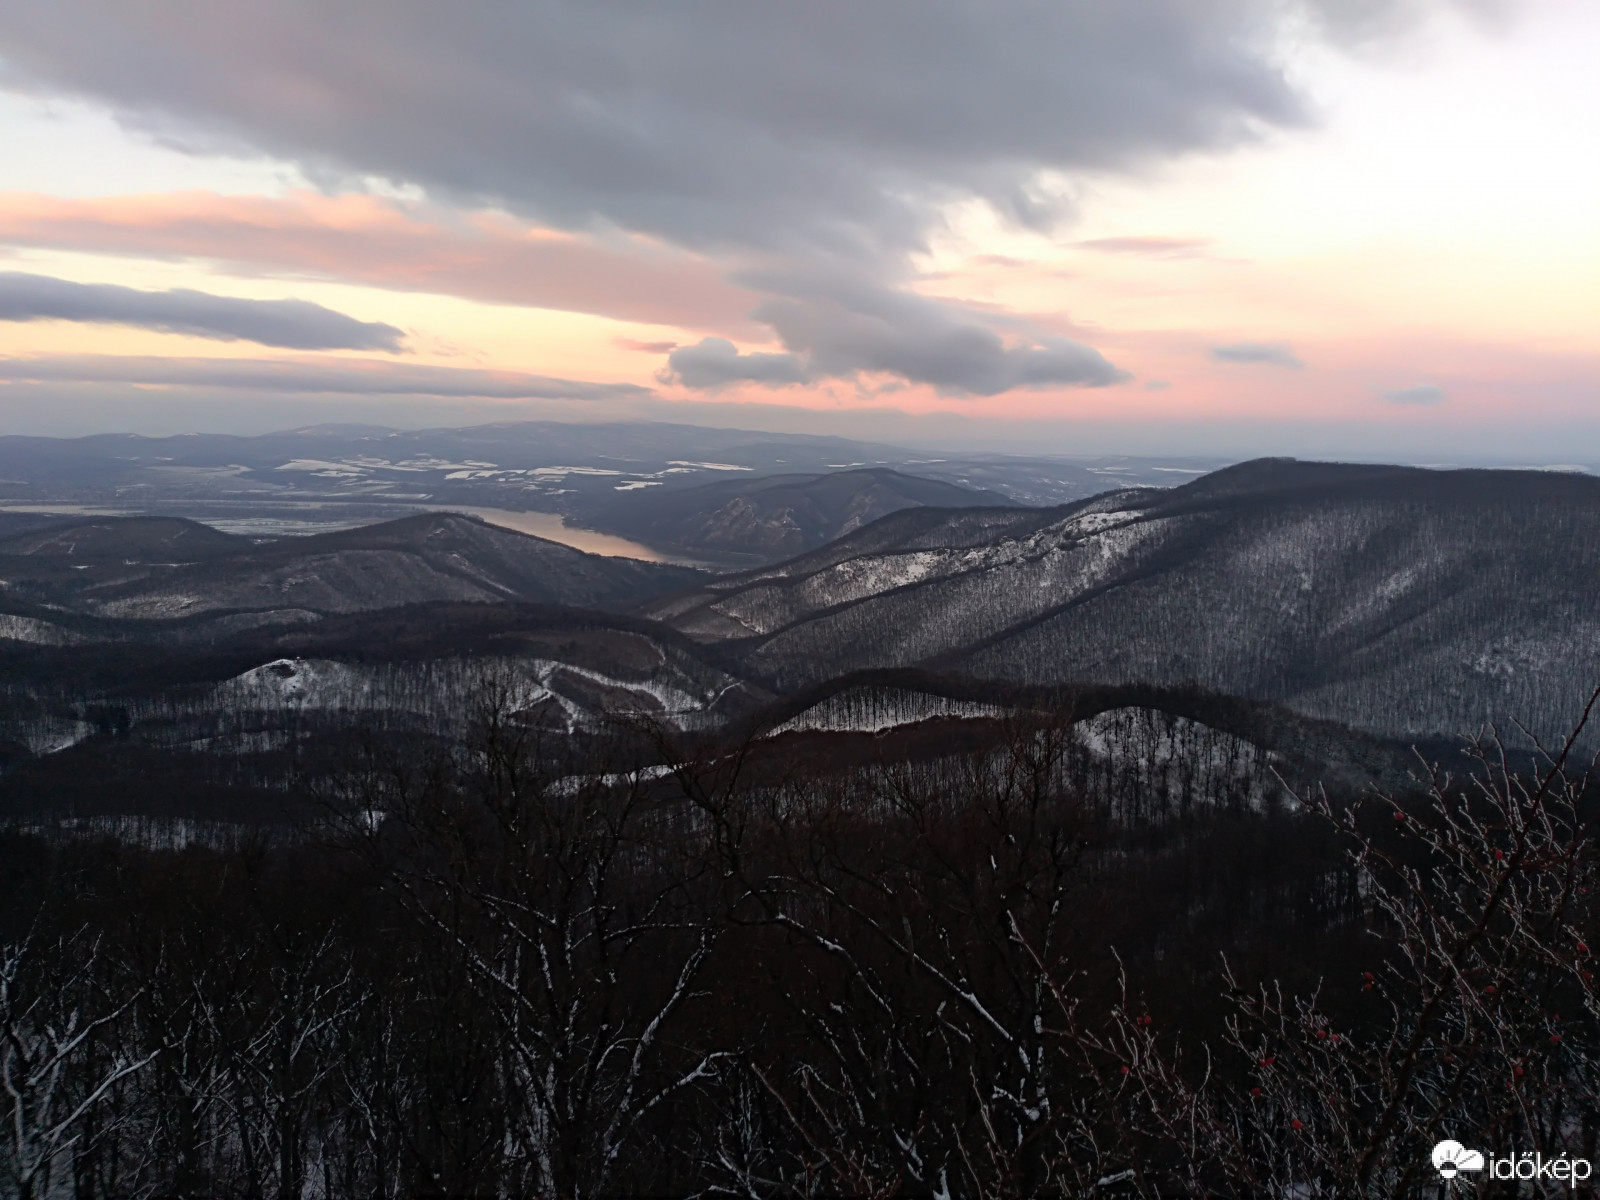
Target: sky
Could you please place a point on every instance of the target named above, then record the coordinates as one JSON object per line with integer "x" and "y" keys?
{"x": 1355, "y": 228}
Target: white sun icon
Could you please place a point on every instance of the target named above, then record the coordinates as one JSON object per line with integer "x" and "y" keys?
{"x": 1451, "y": 1158}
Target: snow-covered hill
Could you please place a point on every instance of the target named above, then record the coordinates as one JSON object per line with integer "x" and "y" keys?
{"x": 1406, "y": 602}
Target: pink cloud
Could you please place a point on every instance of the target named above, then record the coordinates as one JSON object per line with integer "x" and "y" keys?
{"x": 646, "y": 347}
{"x": 1149, "y": 247}
{"x": 368, "y": 240}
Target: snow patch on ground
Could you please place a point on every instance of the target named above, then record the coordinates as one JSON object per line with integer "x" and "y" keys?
{"x": 1507, "y": 657}
{"x": 300, "y": 682}
{"x": 51, "y": 735}
{"x": 872, "y": 710}
{"x": 1088, "y": 523}
{"x": 151, "y": 608}
{"x": 1045, "y": 568}
{"x": 151, "y": 833}
{"x": 1163, "y": 755}
{"x": 571, "y": 785}
{"x": 39, "y": 633}
{"x": 449, "y": 689}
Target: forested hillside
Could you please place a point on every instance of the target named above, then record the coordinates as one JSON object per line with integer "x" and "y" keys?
{"x": 986, "y": 851}
{"x": 1403, "y": 601}
{"x": 161, "y": 568}
{"x": 1102, "y": 957}
{"x": 776, "y": 516}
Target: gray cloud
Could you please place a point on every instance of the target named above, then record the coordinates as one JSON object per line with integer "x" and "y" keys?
{"x": 1361, "y": 23}
{"x": 715, "y": 362}
{"x": 291, "y": 324}
{"x": 827, "y": 124}
{"x": 333, "y": 376}
{"x": 1276, "y": 354}
{"x": 792, "y": 137}
{"x": 837, "y": 326}
{"x": 1425, "y": 393}
{"x": 929, "y": 347}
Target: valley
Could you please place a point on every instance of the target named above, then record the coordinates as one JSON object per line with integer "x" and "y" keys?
{"x": 1333, "y": 621}
{"x": 575, "y": 480}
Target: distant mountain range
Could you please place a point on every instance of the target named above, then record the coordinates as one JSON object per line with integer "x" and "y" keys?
{"x": 598, "y": 475}
{"x": 772, "y": 517}
{"x": 1276, "y": 614}
{"x": 1402, "y": 601}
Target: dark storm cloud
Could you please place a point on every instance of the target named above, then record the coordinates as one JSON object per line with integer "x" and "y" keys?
{"x": 1273, "y": 354}
{"x": 326, "y": 377}
{"x": 290, "y": 324}
{"x": 784, "y": 136}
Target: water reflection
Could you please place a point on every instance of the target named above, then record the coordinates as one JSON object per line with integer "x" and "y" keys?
{"x": 553, "y": 527}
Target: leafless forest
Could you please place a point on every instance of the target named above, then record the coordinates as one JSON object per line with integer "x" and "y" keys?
{"x": 492, "y": 968}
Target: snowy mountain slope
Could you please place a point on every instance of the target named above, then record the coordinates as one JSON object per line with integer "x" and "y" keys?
{"x": 31, "y": 629}
{"x": 444, "y": 692}
{"x": 1403, "y": 601}
{"x": 875, "y": 709}
{"x": 256, "y": 704}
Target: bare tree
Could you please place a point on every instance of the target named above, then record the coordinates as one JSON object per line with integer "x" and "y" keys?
{"x": 284, "y": 1035}
{"x": 1476, "y": 1019}
{"x": 911, "y": 902}
{"x": 572, "y": 903}
{"x": 60, "y": 1057}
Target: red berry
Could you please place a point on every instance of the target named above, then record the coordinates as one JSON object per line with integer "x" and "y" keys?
{"x": 1554, "y": 1038}
{"x": 1295, "y": 1124}
{"x": 1399, "y": 816}
{"x": 1499, "y": 855}
{"x": 1124, "y": 1070}
{"x": 1255, "y": 1091}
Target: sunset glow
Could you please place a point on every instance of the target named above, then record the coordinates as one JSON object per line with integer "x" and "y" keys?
{"x": 1402, "y": 245}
